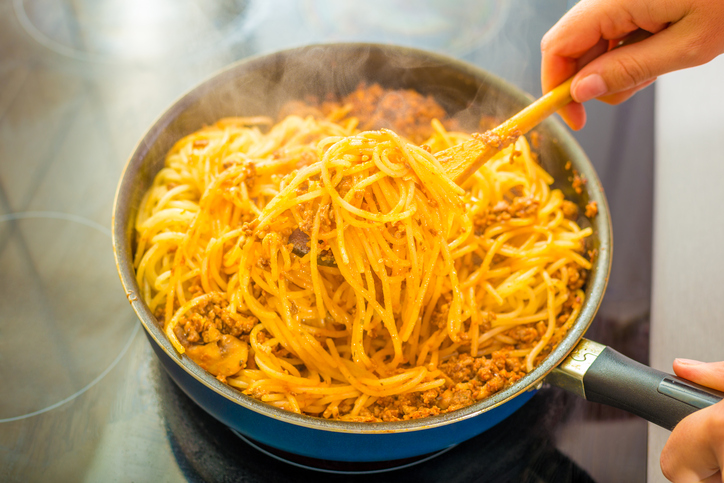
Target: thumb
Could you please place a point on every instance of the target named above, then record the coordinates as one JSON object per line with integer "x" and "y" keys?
{"x": 624, "y": 69}
{"x": 706, "y": 374}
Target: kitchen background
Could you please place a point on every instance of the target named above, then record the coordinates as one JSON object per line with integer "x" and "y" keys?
{"x": 83, "y": 397}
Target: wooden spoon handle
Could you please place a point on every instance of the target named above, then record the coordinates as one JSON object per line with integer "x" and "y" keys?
{"x": 461, "y": 161}
{"x": 537, "y": 112}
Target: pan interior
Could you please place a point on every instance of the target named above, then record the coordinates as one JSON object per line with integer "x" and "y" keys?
{"x": 260, "y": 86}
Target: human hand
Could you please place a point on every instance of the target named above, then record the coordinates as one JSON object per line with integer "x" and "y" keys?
{"x": 695, "y": 449}
{"x": 686, "y": 33}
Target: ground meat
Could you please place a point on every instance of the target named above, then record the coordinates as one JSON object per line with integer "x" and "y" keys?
{"x": 479, "y": 377}
{"x": 461, "y": 368}
{"x": 440, "y": 314}
{"x": 523, "y": 207}
{"x": 578, "y": 183}
{"x": 491, "y": 138}
{"x": 591, "y": 209}
{"x": 405, "y": 406}
{"x": 404, "y": 111}
{"x": 519, "y": 207}
{"x": 473, "y": 379}
{"x": 576, "y": 276}
{"x": 209, "y": 320}
{"x": 570, "y": 210}
{"x": 308, "y": 210}
{"x": 458, "y": 396}
{"x": 524, "y": 334}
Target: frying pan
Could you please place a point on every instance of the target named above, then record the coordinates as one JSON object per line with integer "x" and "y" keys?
{"x": 261, "y": 85}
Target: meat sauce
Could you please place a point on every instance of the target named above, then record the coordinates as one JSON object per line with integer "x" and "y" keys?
{"x": 218, "y": 340}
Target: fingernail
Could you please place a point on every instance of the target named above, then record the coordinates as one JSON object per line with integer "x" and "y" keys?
{"x": 589, "y": 87}
{"x": 688, "y": 362}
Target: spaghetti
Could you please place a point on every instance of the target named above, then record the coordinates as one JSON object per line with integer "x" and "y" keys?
{"x": 441, "y": 295}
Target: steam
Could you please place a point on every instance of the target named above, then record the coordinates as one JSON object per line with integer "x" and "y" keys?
{"x": 261, "y": 86}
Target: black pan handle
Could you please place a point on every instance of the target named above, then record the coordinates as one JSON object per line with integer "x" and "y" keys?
{"x": 600, "y": 374}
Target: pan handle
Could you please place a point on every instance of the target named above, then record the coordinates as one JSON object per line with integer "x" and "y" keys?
{"x": 600, "y": 374}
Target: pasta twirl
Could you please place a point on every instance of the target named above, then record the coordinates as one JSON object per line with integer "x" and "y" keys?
{"x": 441, "y": 295}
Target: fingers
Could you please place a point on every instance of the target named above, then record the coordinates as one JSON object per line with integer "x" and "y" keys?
{"x": 695, "y": 449}
{"x": 687, "y": 33}
{"x": 707, "y": 374}
{"x": 715, "y": 478}
{"x": 619, "y": 97}
{"x": 574, "y": 114}
{"x": 629, "y": 67}
{"x": 555, "y": 68}
{"x": 585, "y": 26}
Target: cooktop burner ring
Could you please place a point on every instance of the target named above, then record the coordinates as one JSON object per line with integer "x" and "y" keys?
{"x": 64, "y": 329}
{"x": 339, "y": 467}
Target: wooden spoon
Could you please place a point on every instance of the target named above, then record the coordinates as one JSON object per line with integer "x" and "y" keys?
{"x": 461, "y": 161}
